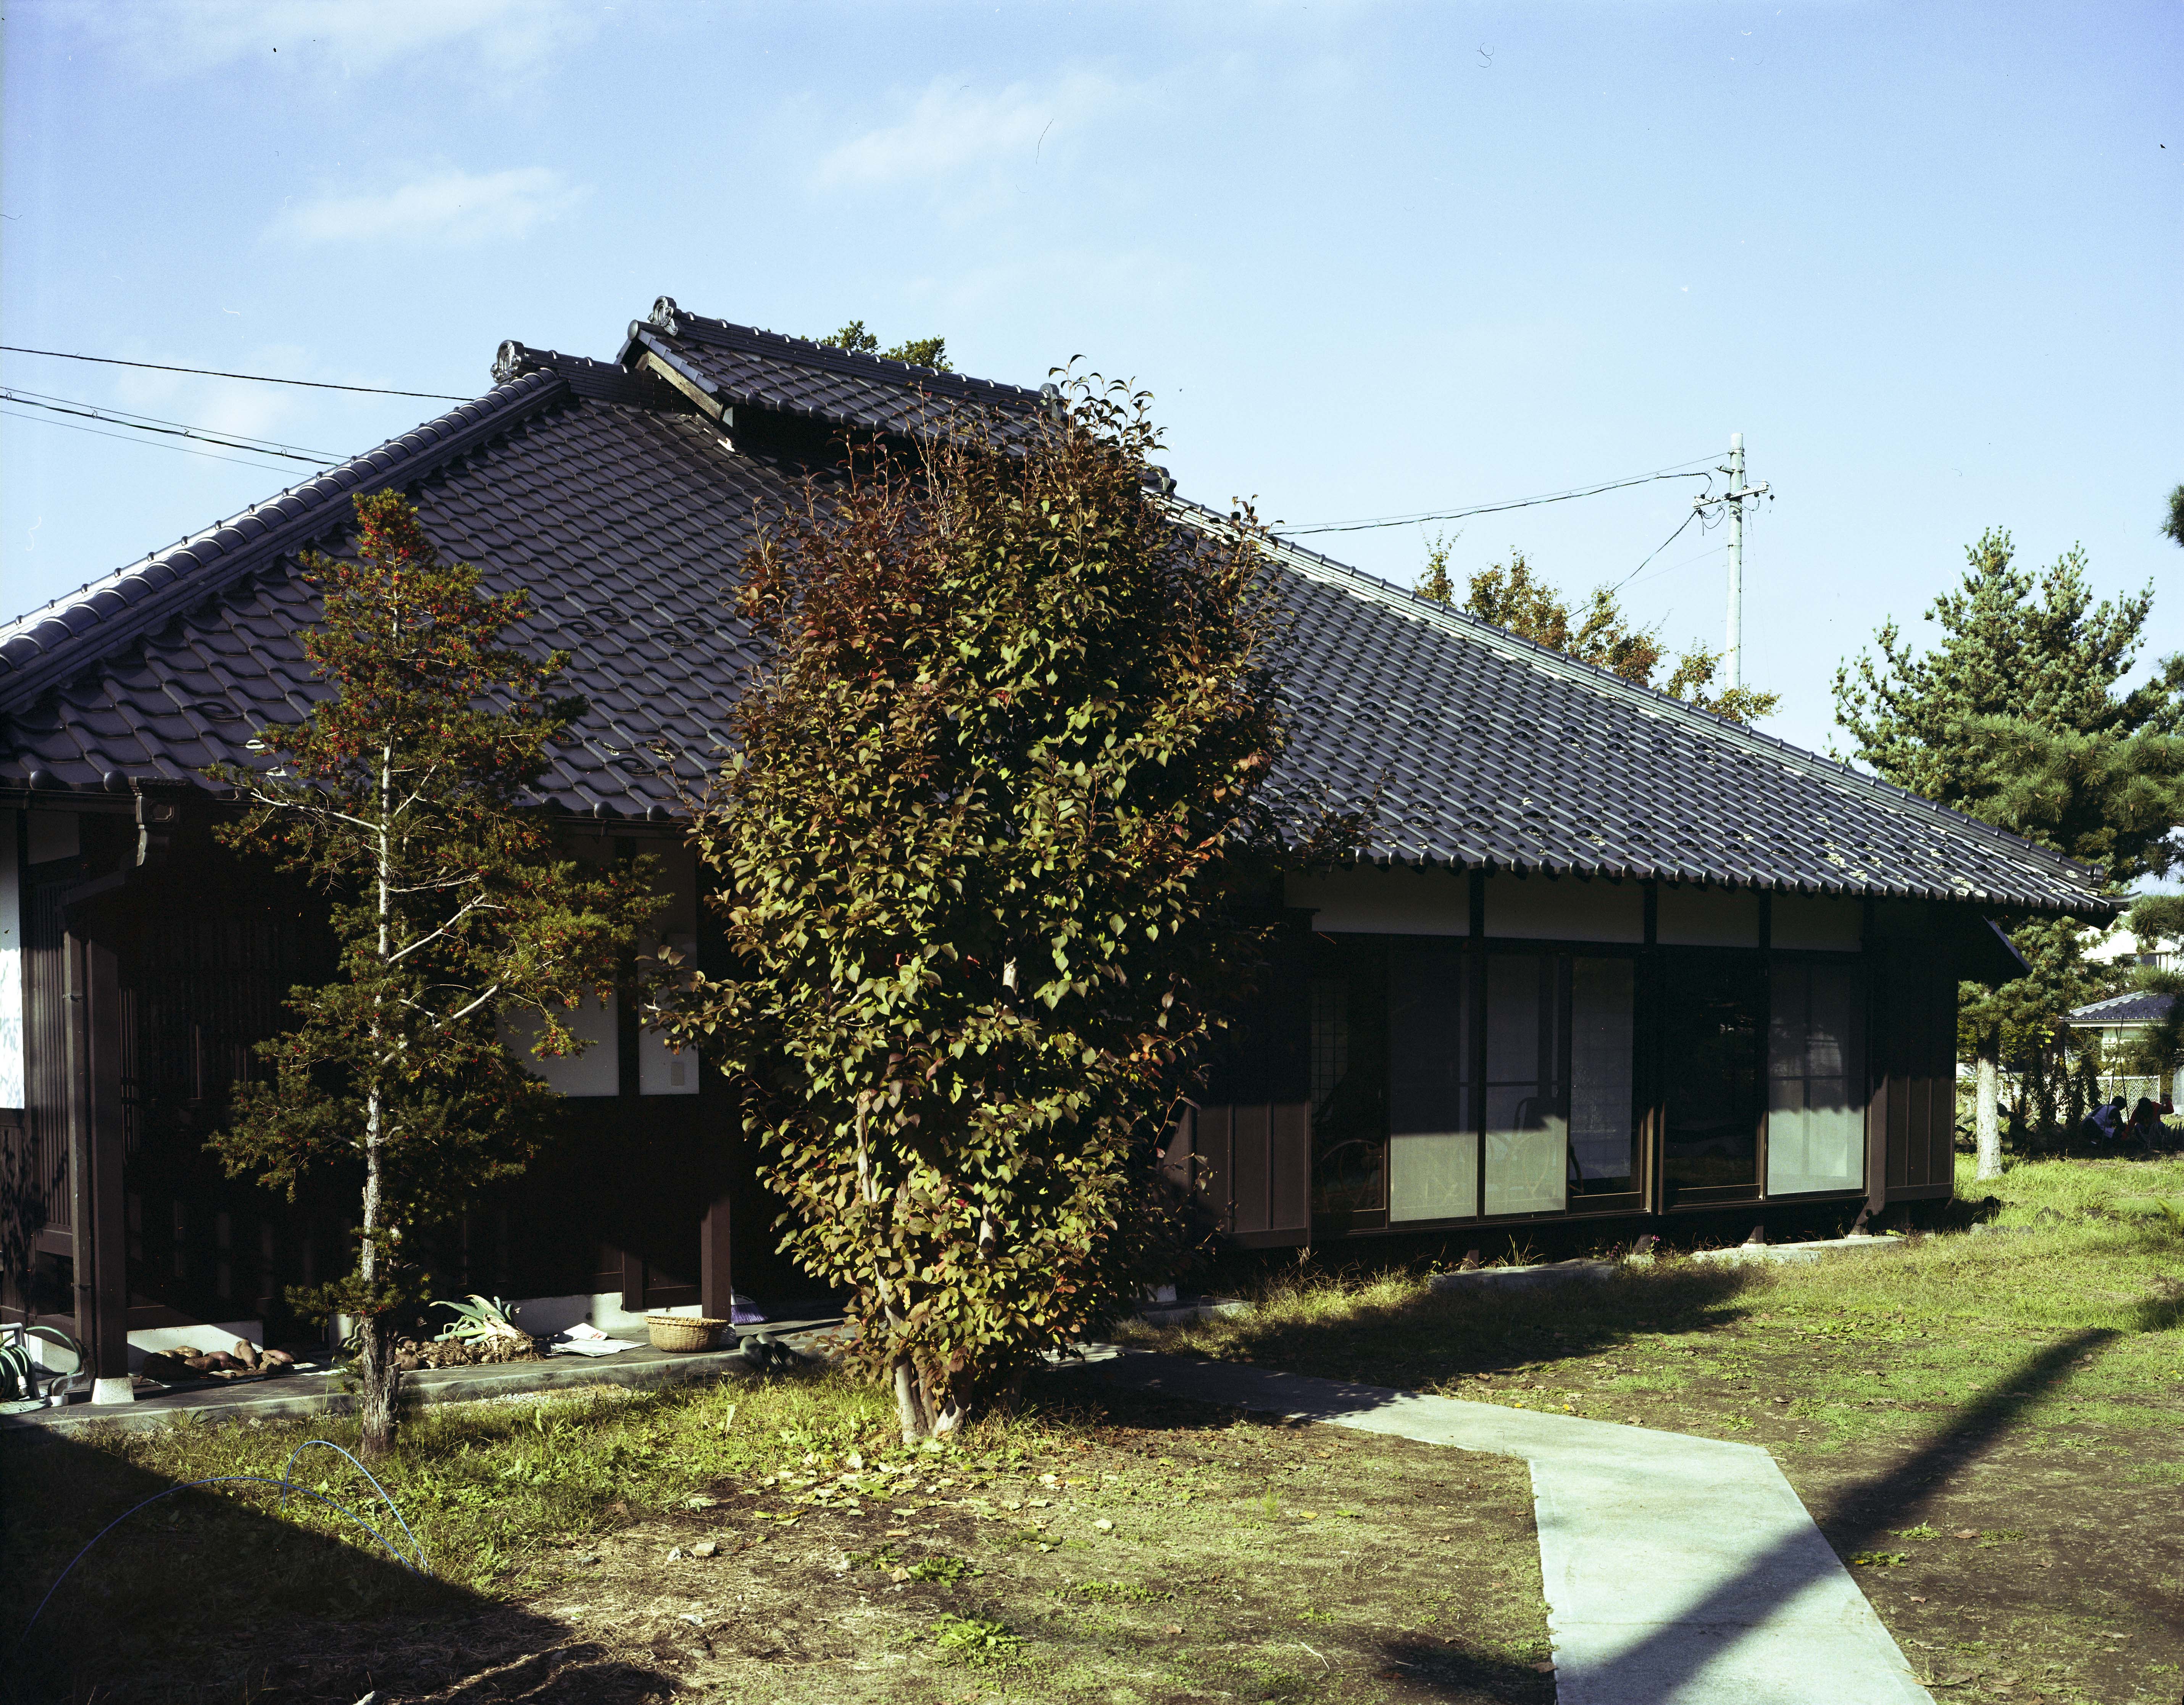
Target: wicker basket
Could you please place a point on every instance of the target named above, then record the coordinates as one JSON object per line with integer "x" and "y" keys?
{"x": 683, "y": 1331}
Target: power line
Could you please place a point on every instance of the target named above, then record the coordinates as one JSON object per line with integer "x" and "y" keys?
{"x": 130, "y": 417}
{"x": 1498, "y": 507}
{"x": 1656, "y": 551}
{"x": 1699, "y": 555}
{"x": 85, "y": 411}
{"x": 147, "y": 444}
{"x": 215, "y": 373}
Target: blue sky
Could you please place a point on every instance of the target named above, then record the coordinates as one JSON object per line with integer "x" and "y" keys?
{"x": 1372, "y": 259}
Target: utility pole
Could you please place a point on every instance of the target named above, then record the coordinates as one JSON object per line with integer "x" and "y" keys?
{"x": 1733, "y": 501}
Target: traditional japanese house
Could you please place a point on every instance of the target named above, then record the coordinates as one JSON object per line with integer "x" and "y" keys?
{"x": 1611, "y": 957}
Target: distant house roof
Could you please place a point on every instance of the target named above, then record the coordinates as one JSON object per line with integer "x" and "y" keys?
{"x": 2135, "y": 1008}
{"x": 622, "y": 495}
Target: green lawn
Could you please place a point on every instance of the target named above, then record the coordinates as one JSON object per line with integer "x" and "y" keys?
{"x": 1995, "y": 1421}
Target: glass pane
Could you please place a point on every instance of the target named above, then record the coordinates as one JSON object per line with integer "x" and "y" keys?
{"x": 1815, "y": 1079}
{"x": 1602, "y": 1050}
{"x": 1711, "y": 1049}
{"x": 1349, "y": 1104}
{"x": 1527, "y": 1098}
{"x": 1432, "y": 1151}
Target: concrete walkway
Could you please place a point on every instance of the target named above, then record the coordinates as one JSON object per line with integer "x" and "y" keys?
{"x": 1678, "y": 1570}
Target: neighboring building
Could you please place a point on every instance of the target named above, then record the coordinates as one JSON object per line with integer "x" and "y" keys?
{"x": 2120, "y": 946}
{"x": 2118, "y": 1021}
{"x": 1611, "y": 959}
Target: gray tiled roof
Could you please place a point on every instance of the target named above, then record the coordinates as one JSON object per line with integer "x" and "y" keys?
{"x": 739, "y": 365}
{"x": 626, "y": 515}
{"x": 624, "y": 523}
{"x": 2134, "y": 1008}
{"x": 1489, "y": 750}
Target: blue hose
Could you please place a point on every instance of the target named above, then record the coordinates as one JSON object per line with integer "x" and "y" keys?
{"x": 287, "y": 1483}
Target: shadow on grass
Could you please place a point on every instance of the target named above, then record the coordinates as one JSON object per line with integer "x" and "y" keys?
{"x": 206, "y": 1596}
{"x": 1862, "y": 1511}
{"x": 1419, "y": 1340}
{"x": 1473, "y": 1332}
{"x": 1436, "y": 1672}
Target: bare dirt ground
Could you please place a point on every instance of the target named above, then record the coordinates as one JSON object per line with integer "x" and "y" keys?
{"x": 1137, "y": 1551}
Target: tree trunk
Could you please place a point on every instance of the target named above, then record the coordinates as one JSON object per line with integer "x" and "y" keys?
{"x": 910, "y": 1404}
{"x": 1990, "y": 1108}
{"x": 376, "y": 1367}
{"x": 375, "y": 1402}
{"x": 381, "y": 1382}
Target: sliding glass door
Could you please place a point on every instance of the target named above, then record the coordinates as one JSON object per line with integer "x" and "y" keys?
{"x": 1510, "y": 1081}
{"x": 1816, "y": 1076}
{"x": 1350, "y": 1082}
{"x": 1433, "y": 1137}
{"x": 1603, "y": 1124}
{"x": 1452, "y": 1079}
{"x": 1712, "y": 1013}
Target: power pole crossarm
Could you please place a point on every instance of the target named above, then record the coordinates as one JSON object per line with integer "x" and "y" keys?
{"x": 1732, "y": 502}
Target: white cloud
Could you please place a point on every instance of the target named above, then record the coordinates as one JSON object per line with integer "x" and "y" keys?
{"x": 450, "y": 207}
{"x": 185, "y": 38}
{"x": 952, "y": 128}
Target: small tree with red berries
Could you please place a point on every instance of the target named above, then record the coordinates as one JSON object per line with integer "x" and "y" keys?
{"x": 402, "y": 796}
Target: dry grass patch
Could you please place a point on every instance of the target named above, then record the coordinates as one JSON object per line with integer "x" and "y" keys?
{"x": 1993, "y": 1420}
{"x": 771, "y": 1540}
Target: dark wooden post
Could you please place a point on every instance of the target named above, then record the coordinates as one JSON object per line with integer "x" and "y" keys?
{"x": 717, "y": 1289}
{"x": 96, "y": 1136}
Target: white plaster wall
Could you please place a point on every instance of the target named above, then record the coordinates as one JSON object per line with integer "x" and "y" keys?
{"x": 1706, "y": 917}
{"x": 1564, "y": 908}
{"x": 1403, "y": 901}
{"x": 595, "y": 1071}
{"x": 1368, "y": 901}
{"x": 1823, "y": 923}
{"x": 662, "y": 1070}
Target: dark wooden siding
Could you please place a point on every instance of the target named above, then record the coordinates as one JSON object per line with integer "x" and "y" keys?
{"x": 1914, "y": 1048}
{"x": 1252, "y": 1131}
{"x": 1255, "y": 1169}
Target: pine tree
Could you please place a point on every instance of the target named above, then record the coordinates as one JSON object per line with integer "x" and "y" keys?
{"x": 2019, "y": 716}
{"x": 918, "y": 352}
{"x": 401, "y": 796}
{"x": 1516, "y": 597}
{"x": 990, "y": 802}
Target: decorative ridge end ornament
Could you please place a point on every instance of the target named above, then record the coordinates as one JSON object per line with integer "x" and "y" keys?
{"x": 511, "y": 361}
{"x": 665, "y": 316}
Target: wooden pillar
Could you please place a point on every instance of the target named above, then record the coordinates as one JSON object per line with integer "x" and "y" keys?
{"x": 717, "y": 1289}
{"x": 632, "y": 1283}
{"x": 1651, "y": 991}
{"x": 97, "y": 1137}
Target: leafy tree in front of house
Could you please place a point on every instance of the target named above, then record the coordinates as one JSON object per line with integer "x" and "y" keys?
{"x": 2019, "y": 716}
{"x": 918, "y": 352}
{"x": 993, "y": 800}
{"x": 1517, "y": 598}
{"x": 402, "y": 796}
